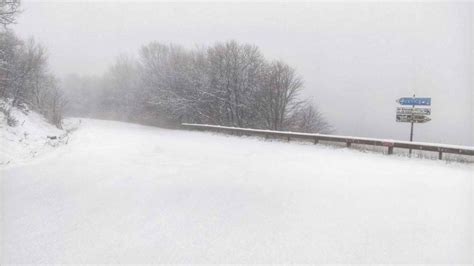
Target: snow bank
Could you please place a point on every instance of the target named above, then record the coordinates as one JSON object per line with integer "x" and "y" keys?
{"x": 28, "y": 139}
{"x": 123, "y": 193}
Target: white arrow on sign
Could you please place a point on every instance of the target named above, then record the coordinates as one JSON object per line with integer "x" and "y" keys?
{"x": 421, "y": 120}
{"x": 408, "y": 118}
{"x": 414, "y": 111}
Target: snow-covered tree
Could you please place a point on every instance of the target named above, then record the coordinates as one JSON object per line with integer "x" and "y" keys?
{"x": 25, "y": 78}
{"x": 226, "y": 84}
{"x": 278, "y": 97}
{"x": 121, "y": 95}
{"x": 234, "y": 74}
{"x": 307, "y": 118}
{"x": 9, "y": 10}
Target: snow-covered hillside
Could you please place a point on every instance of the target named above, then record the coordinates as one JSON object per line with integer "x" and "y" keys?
{"x": 29, "y": 138}
{"x": 123, "y": 193}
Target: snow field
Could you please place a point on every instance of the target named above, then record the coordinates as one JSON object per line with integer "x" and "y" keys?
{"x": 123, "y": 193}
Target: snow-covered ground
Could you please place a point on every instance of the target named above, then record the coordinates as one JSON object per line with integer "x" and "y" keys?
{"x": 123, "y": 193}
{"x": 28, "y": 139}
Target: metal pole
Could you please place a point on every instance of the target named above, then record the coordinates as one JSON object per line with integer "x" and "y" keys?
{"x": 411, "y": 129}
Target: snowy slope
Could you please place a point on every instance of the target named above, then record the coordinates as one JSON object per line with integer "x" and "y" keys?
{"x": 122, "y": 193}
{"x": 28, "y": 139}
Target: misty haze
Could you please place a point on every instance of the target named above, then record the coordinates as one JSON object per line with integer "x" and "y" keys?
{"x": 213, "y": 132}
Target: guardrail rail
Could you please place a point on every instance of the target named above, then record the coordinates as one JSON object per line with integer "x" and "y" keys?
{"x": 390, "y": 144}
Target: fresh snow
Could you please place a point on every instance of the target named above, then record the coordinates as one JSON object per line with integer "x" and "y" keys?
{"x": 28, "y": 139}
{"x": 124, "y": 193}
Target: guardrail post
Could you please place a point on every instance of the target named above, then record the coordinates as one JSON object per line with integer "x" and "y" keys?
{"x": 348, "y": 144}
{"x": 316, "y": 140}
{"x": 288, "y": 138}
{"x": 390, "y": 149}
{"x": 440, "y": 155}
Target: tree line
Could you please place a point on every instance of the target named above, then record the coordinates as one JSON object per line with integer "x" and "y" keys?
{"x": 25, "y": 81}
{"x": 229, "y": 84}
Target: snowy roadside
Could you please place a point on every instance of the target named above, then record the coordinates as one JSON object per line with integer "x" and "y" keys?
{"x": 126, "y": 193}
{"x": 31, "y": 137}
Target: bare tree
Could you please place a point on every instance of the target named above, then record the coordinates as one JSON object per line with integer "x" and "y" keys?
{"x": 226, "y": 84}
{"x": 234, "y": 80}
{"x": 120, "y": 89}
{"x": 278, "y": 97}
{"x": 56, "y": 103}
{"x": 26, "y": 80}
{"x": 9, "y": 46}
{"x": 29, "y": 66}
{"x": 308, "y": 119}
{"x": 9, "y": 9}
{"x": 164, "y": 77}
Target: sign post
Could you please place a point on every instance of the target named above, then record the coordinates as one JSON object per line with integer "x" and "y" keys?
{"x": 411, "y": 129}
{"x": 413, "y": 115}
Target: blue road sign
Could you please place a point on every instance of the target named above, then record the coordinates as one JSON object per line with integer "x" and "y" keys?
{"x": 414, "y": 101}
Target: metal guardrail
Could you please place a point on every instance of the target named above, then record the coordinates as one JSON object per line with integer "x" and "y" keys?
{"x": 390, "y": 144}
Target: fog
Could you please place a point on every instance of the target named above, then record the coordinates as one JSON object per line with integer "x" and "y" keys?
{"x": 356, "y": 59}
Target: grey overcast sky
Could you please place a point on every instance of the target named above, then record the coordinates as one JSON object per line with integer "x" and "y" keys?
{"x": 356, "y": 58}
